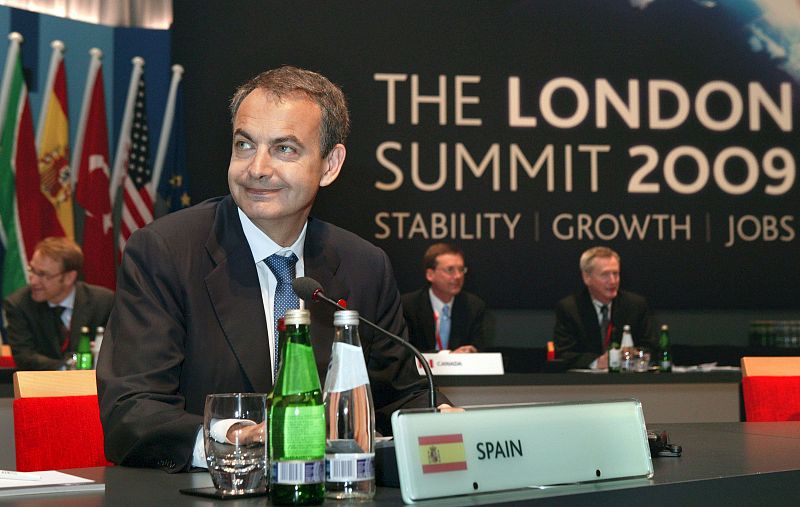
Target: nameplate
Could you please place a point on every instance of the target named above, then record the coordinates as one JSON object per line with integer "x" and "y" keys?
{"x": 480, "y": 363}
{"x": 500, "y": 448}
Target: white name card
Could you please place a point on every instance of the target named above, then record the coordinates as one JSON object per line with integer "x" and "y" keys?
{"x": 500, "y": 448}
{"x": 480, "y": 363}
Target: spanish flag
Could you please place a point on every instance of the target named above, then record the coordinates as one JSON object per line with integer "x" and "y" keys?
{"x": 442, "y": 453}
{"x": 52, "y": 141}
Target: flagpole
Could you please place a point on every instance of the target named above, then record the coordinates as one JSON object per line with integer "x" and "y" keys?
{"x": 124, "y": 135}
{"x": 91, "y": 75}
{"x": 11, "y": 60}
{"x": 55, "y": 58}
{"x": 166, "y": 129}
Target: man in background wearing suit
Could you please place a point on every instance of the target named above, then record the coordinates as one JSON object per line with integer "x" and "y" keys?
{"x": 442, "y": 316}
{"x": 195, "y": 311}
{"x": 589, "y": 320}
{"x": 45, "y": 317}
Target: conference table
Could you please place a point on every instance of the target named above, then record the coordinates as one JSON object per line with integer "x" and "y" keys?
{"x": 733, "y": 462}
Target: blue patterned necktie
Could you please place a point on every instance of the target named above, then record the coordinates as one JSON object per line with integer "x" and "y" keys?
{"x": 444, "y": 326}
{"x": 285, "y": 298}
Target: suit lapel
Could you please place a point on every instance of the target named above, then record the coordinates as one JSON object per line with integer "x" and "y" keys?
{"x": 589, "y": 319}
{"x": 80, "y": 315}
{"x": 235, "y": 294}
{"x": 458, "y": 321}
{"x": 321, "y": 262}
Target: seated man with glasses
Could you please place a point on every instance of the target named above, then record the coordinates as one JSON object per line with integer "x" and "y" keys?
{"x": 44, "y": 318}
{"x": 441, "y": 316}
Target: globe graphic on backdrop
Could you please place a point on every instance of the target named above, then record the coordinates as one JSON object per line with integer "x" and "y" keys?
{"x": 771, "y": 26}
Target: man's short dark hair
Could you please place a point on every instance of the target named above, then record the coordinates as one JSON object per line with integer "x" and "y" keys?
{"x": 437, "y": 249}
{"x": 286, "y": 81}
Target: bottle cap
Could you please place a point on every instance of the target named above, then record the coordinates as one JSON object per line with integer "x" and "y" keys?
{"x": 295, "y": 317}
{"x": 626, "y": 327}
{"x": 664, "y": 327}
{"x": 345, "y": 318}
{"x": 85, "y": 329}
{"x": 100, "y": 329}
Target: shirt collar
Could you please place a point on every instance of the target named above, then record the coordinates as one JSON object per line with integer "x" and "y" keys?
{"x": 262, "y": 246}
{"x": 437, "y": 303}
{"x": 67, "y": 302}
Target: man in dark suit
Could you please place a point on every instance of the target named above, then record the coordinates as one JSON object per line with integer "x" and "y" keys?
{"x": 194, "y": 313}
{"x": 45, "y": 317}
{"x": 442, "y": 316}
{"x": 592, "y": 318}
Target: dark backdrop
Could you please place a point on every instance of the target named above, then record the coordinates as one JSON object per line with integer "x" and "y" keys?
{"x": 687, "y": 263}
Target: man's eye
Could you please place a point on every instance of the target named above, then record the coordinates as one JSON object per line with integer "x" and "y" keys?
{"x": 242, "y": 145}
{"x": 286, "y": 149}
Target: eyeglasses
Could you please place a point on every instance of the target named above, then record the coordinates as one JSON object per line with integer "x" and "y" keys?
{"x": 42, "y": 274}
{"x": 452, "y": 270}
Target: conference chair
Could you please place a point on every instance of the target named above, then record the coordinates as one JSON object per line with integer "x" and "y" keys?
{"x": 57, "y": 420}
{"x": 771, "y": 388}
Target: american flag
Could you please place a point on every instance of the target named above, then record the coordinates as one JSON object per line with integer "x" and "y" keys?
{"x": 137, "y": 206}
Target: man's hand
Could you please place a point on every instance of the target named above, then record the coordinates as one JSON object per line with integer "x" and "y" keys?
{"x": 244, "y": 433}
{"x": 465, "y": 349}
{"x": 444, "y": 407}
{"x": 602, "y": 362}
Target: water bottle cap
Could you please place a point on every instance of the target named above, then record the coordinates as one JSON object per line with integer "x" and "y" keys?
{"x": 345, "y": 317}
{"x": 295, "y": 317}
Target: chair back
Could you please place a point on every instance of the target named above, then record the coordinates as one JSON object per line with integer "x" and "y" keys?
{"x": 57, "y": 421}
{"x": 771, "y": 388}
{"x": 770, "y": 366}
{"x": 46, "y": 384}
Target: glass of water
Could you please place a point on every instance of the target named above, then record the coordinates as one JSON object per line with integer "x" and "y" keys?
{"x": 235, "y": 435}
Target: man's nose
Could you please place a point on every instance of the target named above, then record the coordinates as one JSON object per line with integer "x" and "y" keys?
{"x": 261, "y": 166}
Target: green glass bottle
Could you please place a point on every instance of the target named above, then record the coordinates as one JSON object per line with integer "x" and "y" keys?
{"x": 664, "y": 352}
{"x": 84, "y": 360}
{"x": 297, "y": 419}
{"x": 614, "y": 357}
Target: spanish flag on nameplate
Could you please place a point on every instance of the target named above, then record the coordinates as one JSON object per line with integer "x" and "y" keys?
{"x": 442, "y": 453}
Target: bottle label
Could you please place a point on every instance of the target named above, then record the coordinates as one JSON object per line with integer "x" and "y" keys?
{"x": 665, "y": 365}
{"x": 347, "y": 370}
{"x": 349, "y": 467}
{"x": 300, "y": 379}
{"x": 298, "y": 472}
{"x": 614, "y": 358}
{"x": 301, "y": 431}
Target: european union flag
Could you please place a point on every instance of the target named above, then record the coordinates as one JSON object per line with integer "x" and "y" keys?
{"x": 174, "y": 184}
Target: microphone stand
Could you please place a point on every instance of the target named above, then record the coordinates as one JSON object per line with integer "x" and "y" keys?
{"x": 319, "y": 295}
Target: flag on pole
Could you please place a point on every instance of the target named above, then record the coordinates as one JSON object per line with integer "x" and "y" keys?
{"x": 25, "y": 224}
{"x": 52, "y": 140}
{"x": 132, "y": 169}
{"x": 91, "y": 188}
{"x": 169, "y": 170}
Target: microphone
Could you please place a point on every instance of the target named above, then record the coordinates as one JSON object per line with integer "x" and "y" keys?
{"x": 311, "y": 290}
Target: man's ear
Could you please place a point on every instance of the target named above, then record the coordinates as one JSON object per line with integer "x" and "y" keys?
{"x": 333, "y": 165}
{"x": 585, "y": 277}
{"x": 72, "y": 277}
{"x": 429, "y": 274}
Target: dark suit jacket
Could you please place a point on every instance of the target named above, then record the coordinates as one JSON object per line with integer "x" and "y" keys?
{"x": 577, "y": 331}
{"x": 32, "y": 333}
{"x": 469, "y": 323}
{"x": 189, "y": 321}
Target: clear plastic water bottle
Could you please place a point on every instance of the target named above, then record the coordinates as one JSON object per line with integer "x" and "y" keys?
{"x": 349, "y": 416}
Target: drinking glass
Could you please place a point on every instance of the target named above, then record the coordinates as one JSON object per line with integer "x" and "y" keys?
{"x": 235, "y": 435}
